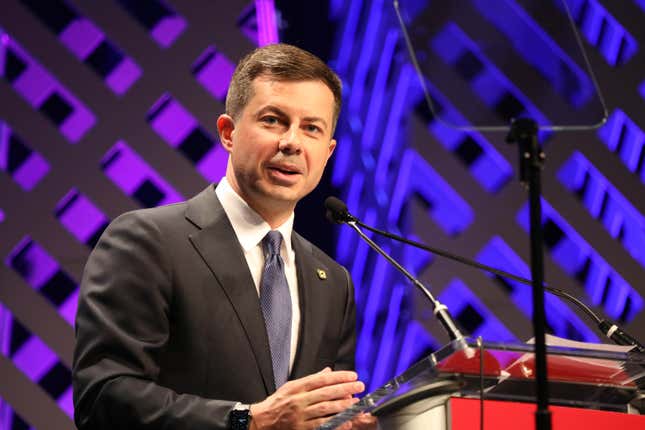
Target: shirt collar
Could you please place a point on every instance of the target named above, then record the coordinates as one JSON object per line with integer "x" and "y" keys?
{"x": 248, "y": 225}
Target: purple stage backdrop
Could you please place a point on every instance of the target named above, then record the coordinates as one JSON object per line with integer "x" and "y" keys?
{"x": 107, "y": 106}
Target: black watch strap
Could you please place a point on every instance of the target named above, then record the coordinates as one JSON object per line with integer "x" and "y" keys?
{"x": 240, "y": 417}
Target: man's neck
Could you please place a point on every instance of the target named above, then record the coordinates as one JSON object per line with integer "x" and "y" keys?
{"x": 275, "y": 214}
{"x": 275, "y": 218}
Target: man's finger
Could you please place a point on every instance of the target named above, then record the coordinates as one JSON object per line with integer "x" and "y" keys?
{"x": 317, "y": 380}
{"x": 365, "y": 422}
{"x": 334, "y": 392}
{"x": 328, "y": 408}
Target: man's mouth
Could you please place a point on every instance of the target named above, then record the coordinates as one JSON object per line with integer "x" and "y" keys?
{"x": 286, "y": 175}
{"x": 286, "y": 170}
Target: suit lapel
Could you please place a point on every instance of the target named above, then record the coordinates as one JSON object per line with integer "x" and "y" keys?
{"x": 218, "y": 246}
{"x": 311, "y": 290}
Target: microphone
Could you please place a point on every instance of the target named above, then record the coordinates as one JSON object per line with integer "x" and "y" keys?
{"x": 620, "y": 337}
{"x": 337, "y": 212}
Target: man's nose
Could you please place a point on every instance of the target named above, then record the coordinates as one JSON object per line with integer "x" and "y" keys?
{"x": 290, "y": 141}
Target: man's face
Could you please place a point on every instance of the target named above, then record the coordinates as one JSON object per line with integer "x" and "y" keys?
{"x": 280, "y": 143}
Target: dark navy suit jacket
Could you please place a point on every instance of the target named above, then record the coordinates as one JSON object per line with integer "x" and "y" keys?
{"x": 169, "y": 330}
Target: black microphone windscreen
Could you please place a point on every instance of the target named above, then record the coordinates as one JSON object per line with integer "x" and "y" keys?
{"x": 336, "y": 210}
{"x": 332, "y": 218}
{"x": 335, "y": 204}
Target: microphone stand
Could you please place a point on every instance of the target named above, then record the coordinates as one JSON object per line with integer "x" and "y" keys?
{"x": 608, "y": 328}
{"x": 440, "y": 310}
{"x": 531, "y": 159}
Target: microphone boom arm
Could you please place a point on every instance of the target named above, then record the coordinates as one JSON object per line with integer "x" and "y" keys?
{"x": 440, "y": 310}
{"x": 608, "y": 328}
{"x": 337, "y": 213}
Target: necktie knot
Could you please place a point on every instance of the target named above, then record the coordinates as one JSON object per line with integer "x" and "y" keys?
{"x": 272, "y": 242}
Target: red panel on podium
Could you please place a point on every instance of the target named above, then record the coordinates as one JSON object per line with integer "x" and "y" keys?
{"x": 500, "y": 415}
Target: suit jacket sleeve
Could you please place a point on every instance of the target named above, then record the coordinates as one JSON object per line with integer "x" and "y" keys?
{"x": 122, "y": 327}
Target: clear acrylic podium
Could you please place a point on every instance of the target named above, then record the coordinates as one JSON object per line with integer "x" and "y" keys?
{"x": 451, "y": 388}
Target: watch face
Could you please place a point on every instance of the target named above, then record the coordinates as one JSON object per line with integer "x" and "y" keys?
{"x": 239, "y": 419}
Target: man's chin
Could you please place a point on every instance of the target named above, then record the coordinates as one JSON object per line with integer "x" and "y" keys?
{"x": 286, "y": 197}
{"x": 282, "y": 195}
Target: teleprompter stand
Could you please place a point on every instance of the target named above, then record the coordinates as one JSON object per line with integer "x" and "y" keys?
{"x": 523, "y": 132}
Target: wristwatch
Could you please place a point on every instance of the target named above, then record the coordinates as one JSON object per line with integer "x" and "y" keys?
{"x": 240, "y": 417}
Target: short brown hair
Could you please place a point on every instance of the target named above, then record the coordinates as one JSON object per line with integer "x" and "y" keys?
{"x": 281, "y": 62}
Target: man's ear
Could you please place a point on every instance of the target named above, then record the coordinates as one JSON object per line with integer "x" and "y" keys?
{"x": 225, "y": 127}
{"x": 332, "y": 146}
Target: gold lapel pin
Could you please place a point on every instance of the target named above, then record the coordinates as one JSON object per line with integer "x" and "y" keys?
{"x": 321, "y": 274}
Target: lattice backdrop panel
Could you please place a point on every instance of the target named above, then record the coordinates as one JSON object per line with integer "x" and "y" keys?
{"x": 110, "y": 106}
{"x": 403, "y": 170}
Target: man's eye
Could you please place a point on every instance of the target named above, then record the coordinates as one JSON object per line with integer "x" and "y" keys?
{"x": 271, "y": 120}
{"x": 313, "y": 128}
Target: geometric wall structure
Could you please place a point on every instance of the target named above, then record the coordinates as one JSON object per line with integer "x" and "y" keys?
{"x": 104, "y": 107}
{"x": 401, "y": 169}
{"x": 110, "y": 106}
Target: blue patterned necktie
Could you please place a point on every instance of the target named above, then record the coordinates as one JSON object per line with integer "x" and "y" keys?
{"x": 275, "y": 301}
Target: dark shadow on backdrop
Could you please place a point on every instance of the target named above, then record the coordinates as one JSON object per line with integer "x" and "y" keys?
{"x": 306, "y": 24}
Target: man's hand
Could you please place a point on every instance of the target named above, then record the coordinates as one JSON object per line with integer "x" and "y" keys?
{"x": 308, "y": 402}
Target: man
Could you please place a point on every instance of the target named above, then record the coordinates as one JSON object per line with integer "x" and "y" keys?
{"x": 172, "y": 328}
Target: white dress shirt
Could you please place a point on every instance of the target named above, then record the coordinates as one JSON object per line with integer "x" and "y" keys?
{"x": 250, "y": 229}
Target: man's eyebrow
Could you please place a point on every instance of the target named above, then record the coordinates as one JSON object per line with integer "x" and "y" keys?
{"x": 276, "y": 110}
{"x": 316, "y": 119}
